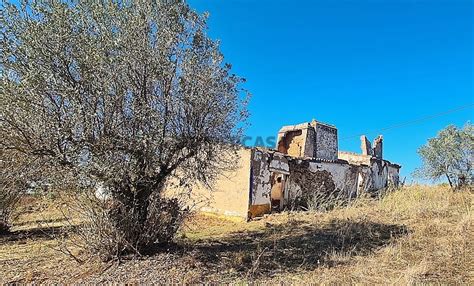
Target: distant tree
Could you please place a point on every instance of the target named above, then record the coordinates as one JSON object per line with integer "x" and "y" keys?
{"x": 449, "y": 155}
{"x": 126, "y": 94}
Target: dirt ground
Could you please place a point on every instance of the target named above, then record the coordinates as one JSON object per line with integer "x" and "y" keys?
{"x": 415, "y": 235}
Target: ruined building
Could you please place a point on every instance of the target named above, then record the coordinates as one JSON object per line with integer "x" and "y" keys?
{"x": 306, "y": 159}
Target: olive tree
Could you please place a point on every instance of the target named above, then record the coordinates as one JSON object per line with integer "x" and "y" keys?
{"x": 449, "y": 155}
{"x": 127, "y": 94}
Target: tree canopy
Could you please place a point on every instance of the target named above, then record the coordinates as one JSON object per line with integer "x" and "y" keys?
{"x": 124, "y": 93}
{"x": 449, "y": 155}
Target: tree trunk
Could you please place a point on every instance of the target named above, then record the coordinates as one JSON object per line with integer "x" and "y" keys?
{"x": 449, "y": 181}
{"x": 130, "y": 214}
{"x": 4, "y": 227}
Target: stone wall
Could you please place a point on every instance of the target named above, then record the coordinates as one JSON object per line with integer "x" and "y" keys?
{"x": 310, "y": 140}
{"x": 382, "y": 174}
{"x": 296, "y": 140}
{"x": 326, "y": 146}
{"x": 293, "y": 143}
{"x": 365, "y": 146}
{"x": 378, "y": 149}
{"x": 325, "y": 177}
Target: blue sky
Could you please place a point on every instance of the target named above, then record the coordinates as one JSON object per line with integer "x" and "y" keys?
{"x": 360, "y": 65}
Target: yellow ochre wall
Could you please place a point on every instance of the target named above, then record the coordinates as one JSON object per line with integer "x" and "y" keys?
{"x": 230, "y": 193}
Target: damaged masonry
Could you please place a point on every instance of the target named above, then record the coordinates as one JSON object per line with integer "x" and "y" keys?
{"x": 306, "y": 159}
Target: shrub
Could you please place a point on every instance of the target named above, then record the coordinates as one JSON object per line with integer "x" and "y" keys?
{"x": 108, "y": 228}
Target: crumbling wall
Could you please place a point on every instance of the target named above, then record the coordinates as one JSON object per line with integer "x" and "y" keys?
{"x": 324, "y": 177}
{"x": 393, "y": 175}
{"x": 310, "y": 140}
{"x": 264, "y": 164}
{"x": 292, "y": 143}
{"x": 302, "y": 180}
{"x": 379, "y": 174}
{"x": 296, "y": 140}
{"x": 309, "y": 147}
{"x": 364, "y": 179}
{"x": 349, "y": 180}
{"x": 344, "y": 175}
{"x": 378, "y": 148}
{"x": 279, "y": 163}
{"x": 309, "y": 175}
{"x": 260, "y": 181}
{"x": 365, "y": 146}
{"x": 382, "y": 175}
{"x": 326, "y": 146}
{"x": 354, "y": 158}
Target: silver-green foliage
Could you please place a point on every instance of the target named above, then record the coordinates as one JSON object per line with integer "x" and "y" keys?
{"x": 125, "y": 93}
{"x": 449, "y": 155}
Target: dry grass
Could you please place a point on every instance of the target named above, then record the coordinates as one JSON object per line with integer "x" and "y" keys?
{"x": 416, "y": 235}
{"x": 438, "y": 247}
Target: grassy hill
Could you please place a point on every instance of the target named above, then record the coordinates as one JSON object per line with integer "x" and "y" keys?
{"x": 415, "y": 235}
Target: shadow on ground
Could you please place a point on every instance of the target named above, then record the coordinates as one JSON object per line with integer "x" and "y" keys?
{"x": 43, "y": 221}
{"x": 47, "y": 232}
{"x": 295, "y": 246}
{"x": 277, "y": 248}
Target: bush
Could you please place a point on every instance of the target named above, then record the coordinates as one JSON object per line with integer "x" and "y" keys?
{"x": 109, "y": 229}
{"x": 324, "y": 201}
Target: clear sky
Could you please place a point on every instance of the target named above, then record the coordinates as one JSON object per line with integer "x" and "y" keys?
{"x": 361, "y": 65}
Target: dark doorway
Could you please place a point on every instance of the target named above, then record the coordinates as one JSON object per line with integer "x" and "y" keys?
{"x": 277, "y": 193}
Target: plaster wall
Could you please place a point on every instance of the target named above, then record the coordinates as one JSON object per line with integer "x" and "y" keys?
{"x": 382, "y": 174}
{"x": 264, "y": 163}
{"x": 325, "y": 177}
{"x": 229, "y": 195}
{"x": 312, "y": 174}
{"x": 355, "y": 158}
